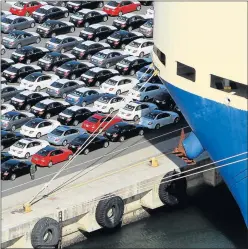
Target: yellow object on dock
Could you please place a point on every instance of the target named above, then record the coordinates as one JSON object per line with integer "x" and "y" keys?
{"x": 27, "y": 207}
{"x": 154, "y": 162}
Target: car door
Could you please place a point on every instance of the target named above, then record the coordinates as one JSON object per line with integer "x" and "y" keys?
{"x": 96, "y": 143}
{"x": 33, "y": 6}
{"x": 144, "y": 109}
{"x": 71, "y": 43}
{"x": 92, "y": 96}
{"x": 72, "y": 86}
{"x": 105, "y": 75}
{"x": 59, "y": 107}
{"x": 165, "y": 118}
{"x": 24, "y": 168}
{"x": 139, "y": 21}
{"x": 96, "y": 17}
{"x": 32, "y": 148}
{"x": 45, "y": 80}
{"x": 34, "y": 98}
{"x": 27, "y": 39}
{"x": 148, "y": 47}
{"x": 56, "y": 156}
{"x": 73, "y": 134}
{"x": 8, "y": 93}
{"x": 6, "y": 140}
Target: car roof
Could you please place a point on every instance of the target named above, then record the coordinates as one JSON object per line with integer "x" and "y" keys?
{"x": 54, "y": 54}
{"x": 142, "y": 40}
{"x": 47, "y": 7}
{"x": 7, "y": 60}
{"x": 85, "y": 11}
{"x": 26, "y": 140}
{"x": 18, "y": 65}
{"x": 49, "y": 101}
{"x": 64, "y": 127}
{"x": 13, "y": 113}
{"x": 12, "y": 17}
{"x": 97, "y": 25}
{"x": 37, "y": 74}
{"x": 131, "y": 58}
{"x": 13, "y": 161}
{"x": 18, "y": 32}
{"x": 96, "y": 69}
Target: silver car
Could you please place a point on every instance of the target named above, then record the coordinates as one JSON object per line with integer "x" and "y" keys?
{"x": 63, "y": 135}
{"x": 107, "y": 58}
{"x": 19, "y": 38}
{"x": 63, "y": 43}
{"x": 13, "y": 22}
{"x": 8, "y": 92}
{"x": 15, "y": 119}
{"x": 62, "y": 87}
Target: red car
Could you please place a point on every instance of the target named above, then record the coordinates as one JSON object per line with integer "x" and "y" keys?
{"x": 25, "y": 8}
{"x": 117, "y": 8}
{"x": 97, "y": 123}
{"x": 50, "y": 156}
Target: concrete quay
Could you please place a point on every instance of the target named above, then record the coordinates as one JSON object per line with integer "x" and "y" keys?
{"x": 131, "y": 178}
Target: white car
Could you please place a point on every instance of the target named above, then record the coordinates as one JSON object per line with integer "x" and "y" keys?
{"x": 27, "y": 147}
{"x": 6, "y": 108}
{"x": 5, "y": 13}
{"x": 109, "y": 103}
{"x": 139, "y": 47}
{"x": 135, "y": 110}
{"x": 3, "y": 49}
{"x": 150, "y": 12}
{"x": 38, "y": 81}
{"x": 38, "y": 127}
{"x": 146, "y": 91}
{"x": 118, "y": 84}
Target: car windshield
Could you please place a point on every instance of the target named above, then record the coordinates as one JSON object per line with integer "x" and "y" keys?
{"x": 129, "y": 107}
{"x": 101, "y": 55}
{"x": 79, "y": 14}
{"x": 68, "y": 112}
{"x": 57, "y": 132}
{"x": 113, "y": 3}
{"x": 32, "y": 123}
{"x": 82, "y": 46}
{"x": 44, "y": 152}
{"x": 93, "y": 119}
{"x": 125, "y": 62}
{"x": 57, "y": 84}
{"x": 134, "y": 44}
{"x": 139, "y": 88}
{"x": 20, "y": 145}
{"x": 116, "y": 35}
{"x": 31, "y": 78}
{"x": 20, "y": 96}
{"x": 48, "y": 57}
{"x": 122, "y": 18}
{"x": 12, "y": 69}
{"x": 19, "y": 4}
{"x": 104, "y": 100}
{"x": 7, "y": 20}
{"x": 151, "y": 116}
{"x": 7, "y": 117}
{"x": 56, "y": 40}
{"x": 111, "y": 82}
{"x": 40, "y": 105}
{"x": 13, "y": 36}
{"x": 149, "y": 24}
{"x": 90, "y": 73}
{"x": 46, "y": 25}
{"x": 41, "y": 10}
{"x": 90, "y": 30}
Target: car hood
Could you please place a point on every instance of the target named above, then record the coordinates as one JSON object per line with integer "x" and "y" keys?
{"x": 44, "y": 61}
{"x": 43, "y": 28}
{"x": 86, "y": 32}
{"x": 118, "y": 21}
{"x": 17, "y": 100}
{"x": 8, "y": 39}
{"x": 37, "y": 109}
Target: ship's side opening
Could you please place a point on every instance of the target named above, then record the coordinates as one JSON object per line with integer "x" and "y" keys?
{"x": 160, "y": 54}
{"x": 185, "y": 71}
{"x": 227, "y": 85}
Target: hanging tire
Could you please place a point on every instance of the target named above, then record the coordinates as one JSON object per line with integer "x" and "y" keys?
{"x": 109, "y": 212}
{"x": 37, "y": 89}
{"x": 97, "y": 39}
{"x": 89, "y": 56}
{"x": 111, "y": 110}
{"x": 19, "y": 45}
{"x": 64, "y": 95}
{"x": 46, "y": 233}
{"x": 100, "y": 5}
{"x": 141, "y": 132}
{"x": 105, "y": 18}
{"x": 173, "y": 193}
{"x": 75, "y": 123}
{"x": 13, "y": 128}
{"x": 64, "y": 143}
{"x": 98, "y": 83}
{"x": 84, "y": 104}
{"x": 62, "y": 50}
{"x": 53, "y": 34}
{"x": 86, "y": 25}
{"x": 120, "y": 13}
{"x": 27, "y": 155}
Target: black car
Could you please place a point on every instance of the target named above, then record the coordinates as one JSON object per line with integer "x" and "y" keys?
{"x": 97, "y": 32}
{"x": 19, "y": 71}
{"x": 121, "y": 131}
{"x": 51, "y": 28}
{"x": 165, "y": 102}
{"x": 86, "y": 17}
{"x": 73, "y": 69}
{"x": 49, "y": 12}
{"x": 97, "y": 143}
{"x": 48, "y": 108}
{"x": 96, "y": 76}
{"x": 5, "y": 63}
{"x": 57, "y": 3}
{"x": 14, "y": 168}
{"x": 74, "y": 6}
{"x": 53, "y": 60}
{"x": 130, "y": 21}
{"x": 8, "y": 138}
{"x": 131, "y": 64}
{"x": 88, "y": 48}
{"x": 28, "y": 54}
{"x": 120, "y": 38}
{"x": 75, "y": 114}
{"x": 5, "y": 156}
{"x": 26, "y": 99}
{"x": 8, "y": 92}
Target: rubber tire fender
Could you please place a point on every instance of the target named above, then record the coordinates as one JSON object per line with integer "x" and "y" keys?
{"x": 43, "y": 226}
{"x": 104, "y": 206}
{"x": 173, "y": 193}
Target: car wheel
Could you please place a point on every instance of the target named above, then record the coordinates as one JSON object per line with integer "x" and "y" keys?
{"x": 54, "y": 68}
{"x": 111, "y": 110}
{"x": 89, "y": 56}
{"x": 62, "y": 50}
{"x": 19, "y": 45}
{"x": 97, "y": 39}
{"x": 75, "y": 123}
{"x": 53, "y": 34}
{"x": 132, "y": 72}
{"x": 13, "y": 177}
{"x": 27, "y": 155}
{"x": 106, "y": 144}
{"x": 123, "y": 46}
{"x": 120, "y": 13}
{"x": 73, "y": 76}
{"x": 72, "y": 29}
{"x": 38, "y": 135}
{"x": 122, "y": 138}
{"x": 64, "y": 143}
{"x": 105, "y": 18}
{"x": 48, "y": 115}
{"x": 28, "y": 61}
{"x": 32, "y": 25}
{"x": 86, "y": 25}
{"x": 157, "y": 126}
{"x": 66, "y": 14}
{"x": 28, "y": 107}
{"x": 84, "y": 104}
{"x": 141, "y": 132}
{"x": 98, "y": 83}
{"x": 13, "y": 128}
{"x": 138, "y": 7}
{"x": 141, "y": 54}
{"x": 107, "y": 65}
{"x": 176, "y": 120}
{"x": 130, "y": 28}
{"x": 136, "y": 118}
{"x": 50, "y": 164}
{"x": 86, "y": 151}
{"x": 146, "y": 98}
{"x": 3, "y": 51}
{"x": 37, "y": 89}
{"x": 100, "y": 5}
{"x": 118, "y": 92}
{"x": 69, "y": 157}
{"x": 19, "y": 80}
{"x": 38, "y": 40}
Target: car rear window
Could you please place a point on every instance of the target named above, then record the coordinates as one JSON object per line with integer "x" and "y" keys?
{"x": 90, "y": 30}
{"x": 79, "y": 14}
{"x": 41, "y": 10}
{"x": 93, "y": 119}
{"x": 68, "y": 112}
{"x": 122, "y": 18}
{"x": 31, "y": 78}
{"x": 149, "y": 24}
{"x": 151, "y": 115}
{"x": 129, "y": 107}
{"x": 12, "y": 69}
{"x": 40, "y": 105}
{"x": 82, "y": 46}
{"x": 13, "y": 36}
{"x": 57, "y": 132}
{"x": 56, "y": 40}
{"x": 104, "y": 100}
{"x": 90, "y": 73}
{"x": 113, "y": 3}
{"x": 139, "y": 88}
{"x": 111, "y": 82}
{"x": 20, "y": 145}
{"x": 44, "y": 152}
{"x": 125, "y": 62}
{"x": 101, "y": 55}
{"x": 32, "y": 123}
{"x": 116, "y": 35}
{"x": 134, "y": 44}
{"x": 57, "y": 84}
{"x": 20, "y": 96}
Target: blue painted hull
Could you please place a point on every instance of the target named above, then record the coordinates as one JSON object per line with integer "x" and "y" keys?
{"x": 222, "y": 131}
